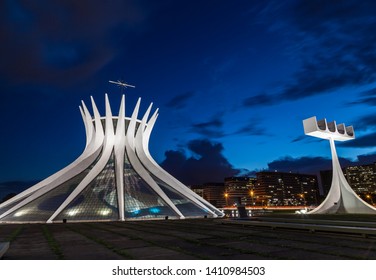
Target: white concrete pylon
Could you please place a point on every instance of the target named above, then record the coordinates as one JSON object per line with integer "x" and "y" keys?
{"x": 119, "y": 151}
{"x": 341, "y": 198}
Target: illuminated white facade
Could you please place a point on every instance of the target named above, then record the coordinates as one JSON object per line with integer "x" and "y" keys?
{"x": 115, "y": 178}
{"x": 341, "y": 197}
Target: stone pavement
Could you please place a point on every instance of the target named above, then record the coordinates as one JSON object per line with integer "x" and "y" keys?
{"x": 178, "y": 240}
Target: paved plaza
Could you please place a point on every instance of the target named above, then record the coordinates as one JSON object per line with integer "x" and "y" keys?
{"x": 179, "y": 240}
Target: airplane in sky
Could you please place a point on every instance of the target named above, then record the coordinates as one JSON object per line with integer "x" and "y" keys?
{"x": 121, "y": 84}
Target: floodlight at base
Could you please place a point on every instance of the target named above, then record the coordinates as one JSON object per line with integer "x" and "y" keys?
{"x": 341, "y": 198}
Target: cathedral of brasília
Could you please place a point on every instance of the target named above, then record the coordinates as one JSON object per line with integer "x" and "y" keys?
{"x": 114, "y": 179}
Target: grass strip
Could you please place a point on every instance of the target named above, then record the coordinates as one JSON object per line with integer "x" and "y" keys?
{"x": 122, "y": 253}
{"x": 249, "y": 240}
{"x": 158, "y": 244}
{"x": 54, "y": 245}
{"x": 13, "y": 236}
{"x": 200, "y": 242}
{"x": 266, "y": 234}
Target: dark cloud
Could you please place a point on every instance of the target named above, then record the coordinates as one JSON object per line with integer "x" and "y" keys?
{"x": 62, "y": 42}
{"x": 371, "y": 101}
{"x": 208, "y": 164}
{"x": 14, "y": 187}
{"x": 365, "y": 141}
{"x": 180, "y": 101}
{"x": 342, "y": 44}
{"x": 366, "y": 122}
{"x": 309, "y": 165}
{"x": 299, "y": 138}
{"x": 260, "y": 99}
{"x": 210, "y": 129}
{"x": 335, "y": 43}
{"x": 214, "y": 128}
{"x": 312, "y": 165}
{"x": 367, "y": 97}
{"x": 367, "y": 159}
{"x": 251, "y": 129}
{"x": 370, "y": 92}
{"x": 306, "y": 139}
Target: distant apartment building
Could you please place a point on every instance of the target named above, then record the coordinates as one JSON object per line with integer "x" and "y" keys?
{"x": 212, "y": 192}
{"x": 239, "y": 191}
{"x": 361, "y": 178}
{"x": 282, "y": 188}
{"x": 198, "y": 189}
{"x": 267, "y": 189}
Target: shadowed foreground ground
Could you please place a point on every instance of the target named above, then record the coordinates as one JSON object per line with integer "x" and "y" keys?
{"x": 178, "y": 239}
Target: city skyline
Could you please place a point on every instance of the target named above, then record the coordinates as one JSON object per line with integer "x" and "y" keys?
{"x": 233, "y": 82}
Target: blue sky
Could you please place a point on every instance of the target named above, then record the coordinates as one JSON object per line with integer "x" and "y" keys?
{"x": 233, "y": 81}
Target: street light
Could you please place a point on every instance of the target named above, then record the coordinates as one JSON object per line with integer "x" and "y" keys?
{"x": 370, "y": 198}
{"x": 302, "y": 196}
{"x": 252, "y": 193}
{"x": 226, "y": 196}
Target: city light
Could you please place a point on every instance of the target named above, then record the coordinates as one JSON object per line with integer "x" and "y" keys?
{"x": 370, "y": 198}
{"x": 302, "y": 196}
{"x": 252, "y": 193}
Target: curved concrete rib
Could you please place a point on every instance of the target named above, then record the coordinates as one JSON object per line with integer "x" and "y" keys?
{"x": 80, "y": 164}
{"x": 119, "y": 150}
{"x": 341, "y": 197}
{"x": 108, "y": 143}
{"x": 332, "y": 201}
{"x": 141, "y": 171}
{"x": 146, "y": 139}
{"x": 158, "y": 171}
{"x": 89, "y": 128}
